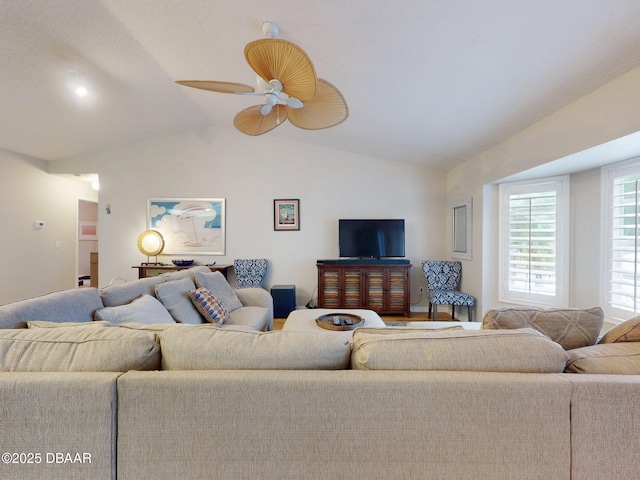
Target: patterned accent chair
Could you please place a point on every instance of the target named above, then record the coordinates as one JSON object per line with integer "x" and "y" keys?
{"x": 250, "y": 272}
{"x": 443, "y": 281}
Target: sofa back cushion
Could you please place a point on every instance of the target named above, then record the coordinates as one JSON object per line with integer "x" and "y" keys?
{"x": 621, "y": 358}
{"x": 124, "y": 293}
{"x": 570, "y": 327}
{"x": 209, "y": 347}
{"x": 517, "y": 350}
{"x": 42, "y": 324}
{"x": 74, "y": 305}
{"x": 146, "y": 309}
{"x": 72, "y": 349}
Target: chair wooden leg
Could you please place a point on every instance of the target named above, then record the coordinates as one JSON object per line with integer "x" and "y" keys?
{"x": 435, "y": 312}
{"x": 453, "y": 313}
{"x": 469, "y": 312}
{"x": 429, "y": 314}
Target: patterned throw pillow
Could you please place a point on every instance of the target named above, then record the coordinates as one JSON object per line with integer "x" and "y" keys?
{"x": 208, "y": 305}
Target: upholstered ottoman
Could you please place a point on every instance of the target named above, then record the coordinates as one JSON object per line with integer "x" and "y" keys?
{"x": 305, "y": 320}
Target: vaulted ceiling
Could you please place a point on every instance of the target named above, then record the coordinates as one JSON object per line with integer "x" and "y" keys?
{"x": 431, "y": 82}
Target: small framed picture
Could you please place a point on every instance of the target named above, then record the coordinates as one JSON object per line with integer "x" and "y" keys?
{"x": 88, "y": 230}
{"x": 286, "y": 214}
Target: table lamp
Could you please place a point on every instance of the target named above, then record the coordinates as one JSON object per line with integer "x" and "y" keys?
{"x": 151, "y": 243}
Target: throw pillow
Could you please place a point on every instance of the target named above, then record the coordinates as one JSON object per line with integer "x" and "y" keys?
{"x": 145, "y": 309}
{"x": 175, "y": 297}
{"x": 570, "y": 327}
{"x": 610, "y": 358}
{"x": 628, "y": 331}
{"x": 217, "y": 284}
{"x": 208, "y": 305}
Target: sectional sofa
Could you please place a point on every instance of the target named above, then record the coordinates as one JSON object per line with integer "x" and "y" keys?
{"x": 161, "y": 299}
{"x": 86, "y": 399}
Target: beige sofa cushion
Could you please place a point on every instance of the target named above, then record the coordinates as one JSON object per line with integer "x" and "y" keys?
{"x": 152, "y": 327}
{"x": 612, "y": 358}
{"x": 514, "y": 350}
{"x": 628, "y": 331}
{"x": 73, "y": 349}
{"x": 43, "y": 324}
{"x": 570, "y": 327}
{"x": 146, "y": 309}
{"x": 256, "y": 318}
{"x": 207, "y": 348}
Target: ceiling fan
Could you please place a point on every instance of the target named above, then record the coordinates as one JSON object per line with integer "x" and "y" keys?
{"x": 287, "y": 81}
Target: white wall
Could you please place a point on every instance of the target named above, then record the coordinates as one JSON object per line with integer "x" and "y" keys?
{"x": 31, "y": 263}
{"x": 250, "y": 172}
{"x": 607, "y": 114}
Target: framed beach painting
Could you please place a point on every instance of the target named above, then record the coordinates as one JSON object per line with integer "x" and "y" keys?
{"x": 194, "y": 226}
{"x": 286, "y": 214}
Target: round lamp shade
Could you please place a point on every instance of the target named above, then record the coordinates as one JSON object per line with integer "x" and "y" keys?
{"x": 151, "y": 243}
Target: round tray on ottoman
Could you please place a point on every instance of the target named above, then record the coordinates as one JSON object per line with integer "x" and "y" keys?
{"x": 339, "y": 321}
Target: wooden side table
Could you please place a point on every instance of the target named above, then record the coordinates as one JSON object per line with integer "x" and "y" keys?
{"x": 145, "y": 271}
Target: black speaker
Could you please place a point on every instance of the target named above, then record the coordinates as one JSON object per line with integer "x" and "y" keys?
{"x": 284, "y": 300}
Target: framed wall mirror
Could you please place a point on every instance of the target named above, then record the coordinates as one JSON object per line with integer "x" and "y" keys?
{"x": 462, "y": 228}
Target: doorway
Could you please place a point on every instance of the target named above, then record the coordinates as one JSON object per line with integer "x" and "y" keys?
{"x": 87, "y": 243}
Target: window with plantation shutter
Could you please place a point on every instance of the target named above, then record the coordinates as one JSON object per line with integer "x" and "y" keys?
{"x": 622, "y": 190}
{"x": 534, "y": 242}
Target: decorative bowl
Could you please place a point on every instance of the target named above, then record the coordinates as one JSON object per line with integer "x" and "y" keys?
{"x": 182, "y": 263}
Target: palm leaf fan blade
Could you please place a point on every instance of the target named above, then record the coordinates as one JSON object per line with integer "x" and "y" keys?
{"x": 215, "y": 86}
{"x": 252, "y": 122}
{"x": 327, "y": 109}
{"x": 282, "y": 60}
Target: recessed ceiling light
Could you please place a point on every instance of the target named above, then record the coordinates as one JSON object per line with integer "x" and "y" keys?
{"x": 78, "y": 84}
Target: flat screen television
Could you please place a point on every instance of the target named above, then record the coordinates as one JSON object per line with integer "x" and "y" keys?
{"x": 371, "y": 238}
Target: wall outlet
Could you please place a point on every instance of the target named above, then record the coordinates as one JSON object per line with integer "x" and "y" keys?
{"x": 421, "y": 290}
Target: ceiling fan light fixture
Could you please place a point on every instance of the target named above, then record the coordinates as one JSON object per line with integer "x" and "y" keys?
{"x": 266, "y": 109}
{"x": 294, "y": 103}
{"x": 78, "y": 84}
{"x": 270, "y": 29}
{"x": 270, "y": 98}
